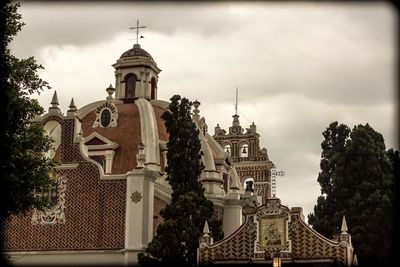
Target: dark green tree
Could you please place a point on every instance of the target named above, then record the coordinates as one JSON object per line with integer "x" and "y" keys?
{"x": 356, "y": 180}
{"x": 394, "y": 158}
{"x": 24, "y": 169}
{"x": 177, "y": 239}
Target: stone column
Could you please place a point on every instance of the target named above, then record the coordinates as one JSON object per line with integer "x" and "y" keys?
{"x": 139, "y": 212}
{"x": 232, "y": 213}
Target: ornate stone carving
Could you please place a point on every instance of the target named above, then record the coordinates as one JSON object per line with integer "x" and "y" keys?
{"x": 56, "y": 213}
{"x": 113, "y": 112}
{"x": 136, "y": 197}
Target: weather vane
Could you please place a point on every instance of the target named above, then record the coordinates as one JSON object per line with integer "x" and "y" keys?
{"x": 137, "y": 31}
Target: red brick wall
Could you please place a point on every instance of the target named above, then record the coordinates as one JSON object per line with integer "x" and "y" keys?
{"x": 94, "y": 210}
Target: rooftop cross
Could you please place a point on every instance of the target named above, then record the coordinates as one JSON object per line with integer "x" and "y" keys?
{"x": 137, "y": 31}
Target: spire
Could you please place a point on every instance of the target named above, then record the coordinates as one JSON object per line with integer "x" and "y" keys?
{"x": 72, "y": 108}
{"x": 206, "y": 230}
{"x": 54, "y": 104}
{"x": 54, "y": 101}
{"x": 344, "y": 225}
{"x": 355, "y": 260}
{"x": 72, "y": 105}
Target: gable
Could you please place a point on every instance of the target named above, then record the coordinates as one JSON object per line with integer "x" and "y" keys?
{"x": 95, "y": 141}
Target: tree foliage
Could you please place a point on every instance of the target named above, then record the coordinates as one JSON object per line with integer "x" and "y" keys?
{"x": 177, "y": 239}
{"x": 356, "y": 180}
{"x": 25, "y": 170}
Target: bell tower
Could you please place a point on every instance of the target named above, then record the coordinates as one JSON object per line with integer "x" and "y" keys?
{"x": 252, "y": 163}
{"x": 136, "y": 73}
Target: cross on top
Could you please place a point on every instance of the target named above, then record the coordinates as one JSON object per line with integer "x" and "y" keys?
{"x": 137, "y": 30}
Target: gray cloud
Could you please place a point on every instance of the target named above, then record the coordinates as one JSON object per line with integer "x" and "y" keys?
{"x": 298, "y": 66}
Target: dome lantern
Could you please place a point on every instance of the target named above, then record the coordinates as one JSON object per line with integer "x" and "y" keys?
{"x": 136, "y": 74}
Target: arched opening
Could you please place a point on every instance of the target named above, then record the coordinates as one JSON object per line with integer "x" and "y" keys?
{"x": 53, "y": 129}
{"x": 248, "y": 184}
{"x": 227, "y": 148}
{"x": 130, "y": 85}
{"x": 153, "y": 88}
{"x": 243, "y": 150}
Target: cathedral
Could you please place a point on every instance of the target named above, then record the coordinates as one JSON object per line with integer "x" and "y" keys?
{"x": 110, "y": 186}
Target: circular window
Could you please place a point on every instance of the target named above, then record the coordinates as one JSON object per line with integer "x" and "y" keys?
{"x": 105, "y": 117}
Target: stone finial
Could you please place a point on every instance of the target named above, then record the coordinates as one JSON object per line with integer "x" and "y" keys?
{"x": 196, "y": 110}
{"x": 206, "y": 238}
{"x": 110, "y": 90}
{"x": 141, "y": 156}
{"x": 355, "y": 260}
{"x": 235, "y": 120}
{"x": 344, "y": 225}
{"x": 206, "y": 229}
{"x": 253, "y": 127}
{"x": 217, "y": 128}
{"x": 72, "y": 108}
{"x": 54, "y": 104}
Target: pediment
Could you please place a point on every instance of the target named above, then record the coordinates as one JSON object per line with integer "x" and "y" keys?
{"x": 97, "y": 141}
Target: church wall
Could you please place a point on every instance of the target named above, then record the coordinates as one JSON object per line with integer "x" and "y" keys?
{"x": 94, "y": 210}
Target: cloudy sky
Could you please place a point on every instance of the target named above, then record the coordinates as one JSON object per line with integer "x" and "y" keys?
{"x": 298, "y": 67}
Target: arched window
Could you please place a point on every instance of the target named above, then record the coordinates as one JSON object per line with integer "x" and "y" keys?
{"x": 130, "y": 85}
{"x": 153, "y": 88}
{"x": 243, "y": 150}
{"x": 51, "y": 194}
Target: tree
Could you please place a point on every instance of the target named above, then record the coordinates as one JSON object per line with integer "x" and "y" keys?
{"x": 394, "y": 157}
{"x": 177, "y": 238}
{"x": 25, "y": 170}
{"x": 356, "y": 180}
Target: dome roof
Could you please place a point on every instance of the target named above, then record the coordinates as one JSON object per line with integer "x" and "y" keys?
{"x": 136, "y": 51}
{"x": 128, "y": 131}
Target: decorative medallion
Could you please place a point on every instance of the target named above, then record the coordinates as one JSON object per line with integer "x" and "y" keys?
{"x": 106, "y": 115}
{"x": 136, "y": 196}
{"x": 55, "y": 214}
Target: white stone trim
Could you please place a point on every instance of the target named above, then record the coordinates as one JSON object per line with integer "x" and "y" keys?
{"x": 107, "y": 150}
{"x": 67, "y": 257}
{"x": 68, "y": 166}
{"x": 110, "y": 106}
{"x": 149, "y": 131}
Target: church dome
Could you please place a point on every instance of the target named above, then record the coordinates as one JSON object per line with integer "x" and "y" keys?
{"x": 137, "y": 52}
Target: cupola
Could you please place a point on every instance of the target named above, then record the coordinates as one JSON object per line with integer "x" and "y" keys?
{"x": 136, "y": 75}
